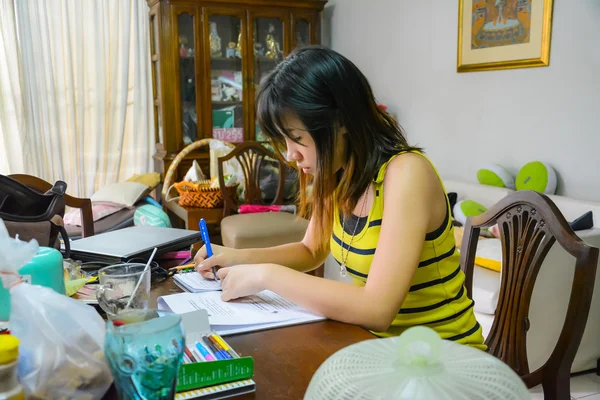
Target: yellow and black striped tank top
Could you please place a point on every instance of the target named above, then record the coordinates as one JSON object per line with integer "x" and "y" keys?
{"x": 437, "y": 297}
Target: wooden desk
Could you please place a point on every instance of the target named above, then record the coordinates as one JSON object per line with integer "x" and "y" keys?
{"x": 285, "y": 359}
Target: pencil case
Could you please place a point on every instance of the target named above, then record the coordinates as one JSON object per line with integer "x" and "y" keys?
{"x": 195, "y": 375}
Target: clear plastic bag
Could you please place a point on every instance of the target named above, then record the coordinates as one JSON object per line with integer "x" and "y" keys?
{"x": 61, "y": 355}
{"x": 62, "y": 340}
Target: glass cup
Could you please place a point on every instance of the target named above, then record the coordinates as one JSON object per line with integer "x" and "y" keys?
{"x": 144, "y": 354}
{"x": 116, "y": 287}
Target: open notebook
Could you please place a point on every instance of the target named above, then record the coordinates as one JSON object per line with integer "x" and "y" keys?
{"x": 264, "y": 310}
{"x": 195, "y": 283}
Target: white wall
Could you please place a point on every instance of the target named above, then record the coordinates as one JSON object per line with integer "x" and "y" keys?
{"x": 407, "y": 49}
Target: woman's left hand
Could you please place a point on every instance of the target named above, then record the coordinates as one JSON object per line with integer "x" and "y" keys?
{"x": 243, "y": 280}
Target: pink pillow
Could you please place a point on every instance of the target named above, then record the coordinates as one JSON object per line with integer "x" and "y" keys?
{"x": 99, "y": 211}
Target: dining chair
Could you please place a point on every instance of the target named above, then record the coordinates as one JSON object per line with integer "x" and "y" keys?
{"x": 530, "y": 224}
{"x": 259, "y": 229}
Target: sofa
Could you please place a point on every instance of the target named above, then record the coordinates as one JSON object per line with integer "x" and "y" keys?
{"x": 552, "y": 288}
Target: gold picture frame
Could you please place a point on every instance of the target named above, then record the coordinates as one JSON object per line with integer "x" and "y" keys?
{"x": 503, "y": 34}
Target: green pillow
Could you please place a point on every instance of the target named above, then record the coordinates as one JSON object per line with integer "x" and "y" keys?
{"x": 467, "y": 208}
{"x": 537, "y": 176}
{"x": 150, "y": 215}
{"x": 496, "y": 175}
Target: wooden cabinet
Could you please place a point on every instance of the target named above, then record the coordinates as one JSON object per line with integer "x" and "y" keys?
{"x": 208, "y": 57}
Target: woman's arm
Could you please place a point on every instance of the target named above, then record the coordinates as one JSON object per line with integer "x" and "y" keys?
{"x": 411, "y": 195}
{"x": 297, "y": 256}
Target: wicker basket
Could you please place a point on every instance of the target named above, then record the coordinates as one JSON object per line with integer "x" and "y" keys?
{"x": 195, "y": 195}
{"x": 201, "y": 195}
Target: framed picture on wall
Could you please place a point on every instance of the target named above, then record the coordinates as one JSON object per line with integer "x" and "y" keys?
{"x": 503, "y": 34}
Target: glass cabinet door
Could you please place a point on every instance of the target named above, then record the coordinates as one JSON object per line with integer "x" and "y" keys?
{"x": 269, "y": 45}
{"x": 225, "y": 48}
{"x": 304, "y": 29}
{"x": 301, "y": 33}
{"x": 186, "y": 53}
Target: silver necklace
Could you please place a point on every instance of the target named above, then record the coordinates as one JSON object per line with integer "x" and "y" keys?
{"x": 344, "y": 259}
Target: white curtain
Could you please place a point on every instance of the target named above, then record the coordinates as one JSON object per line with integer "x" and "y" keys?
{"x": 87, "y": 91}
{"x": 11, "y": 100}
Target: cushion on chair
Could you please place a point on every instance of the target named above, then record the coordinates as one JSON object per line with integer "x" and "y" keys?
{"x": 243, "y": 231}
{"x": 124, "y": 193}
{"x": 99, "y": 210}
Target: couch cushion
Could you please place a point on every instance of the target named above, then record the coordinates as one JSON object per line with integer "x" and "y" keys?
{"x": 573, "y": 209}
{"x": 243, "y": 231}
{"x": 483, "y": 194}
{"x": 486, "y": 286}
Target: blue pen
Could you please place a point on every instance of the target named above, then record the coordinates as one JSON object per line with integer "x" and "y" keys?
{"x": 206, "y": 239}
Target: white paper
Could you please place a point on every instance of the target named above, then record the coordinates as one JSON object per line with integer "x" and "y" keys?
{"x": 194, "y": 282}
{"x": 226, "y": 330}
{"x": 264, "y": 307}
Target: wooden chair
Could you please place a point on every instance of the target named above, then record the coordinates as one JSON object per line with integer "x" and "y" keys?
{"x": 190, "y": 216}
{"x": 251, "y": 156}
{"x": 261, "y": 229}
{"x": 85, "y": 205}
{"x": 530, "y": 223}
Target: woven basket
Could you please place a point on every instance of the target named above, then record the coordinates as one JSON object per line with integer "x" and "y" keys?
{"x": 199, "y": 195}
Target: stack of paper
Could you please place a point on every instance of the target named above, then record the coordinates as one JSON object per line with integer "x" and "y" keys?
{"x": 195, "y": 283}
{"x": 261, "y": 311}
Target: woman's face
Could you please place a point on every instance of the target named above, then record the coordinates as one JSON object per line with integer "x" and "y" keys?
{"x": 303, "y": 151}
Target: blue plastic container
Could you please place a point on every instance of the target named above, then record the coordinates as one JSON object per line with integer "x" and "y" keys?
{"x": 45, "y": 269}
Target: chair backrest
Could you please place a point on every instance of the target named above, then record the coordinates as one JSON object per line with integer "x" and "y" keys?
{"x": 85, "y": 205}
{"x": 530, "y": 223}
{"x": 251, "y": 156}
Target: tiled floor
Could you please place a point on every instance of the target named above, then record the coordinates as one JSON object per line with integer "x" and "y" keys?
{"x": 582, "y": 387}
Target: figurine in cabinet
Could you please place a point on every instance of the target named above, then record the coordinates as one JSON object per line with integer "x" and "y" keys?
{"x": 259, "y": 49}
{"x": 273, "y": 47}
{"x": 230, "y": 52}
{"x": 258, "y": 46}
{"x": 215, "y": 41}
{"x": 182, "y": 42}
{"x": 238, "y": 48}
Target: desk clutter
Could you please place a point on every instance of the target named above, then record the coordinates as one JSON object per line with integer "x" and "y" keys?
{"x": 158, "y": 355}
{"x": 145, "y": 353}
{"x": 57, "y": 334}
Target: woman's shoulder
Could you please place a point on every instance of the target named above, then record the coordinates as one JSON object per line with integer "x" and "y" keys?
{"x": 412, "y": 171}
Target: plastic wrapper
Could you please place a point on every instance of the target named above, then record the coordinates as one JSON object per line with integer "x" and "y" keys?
{"x": 62, "y": 340}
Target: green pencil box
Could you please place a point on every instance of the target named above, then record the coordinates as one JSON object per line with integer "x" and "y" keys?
{"x": 208, "y": 373}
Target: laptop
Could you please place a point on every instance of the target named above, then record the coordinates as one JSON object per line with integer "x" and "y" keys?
{"x": 133, "y": 242}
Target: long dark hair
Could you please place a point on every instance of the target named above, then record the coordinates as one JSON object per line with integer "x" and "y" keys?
{"x": 328, "y": 92}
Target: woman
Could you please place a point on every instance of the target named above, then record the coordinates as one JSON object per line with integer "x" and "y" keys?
{"x": 377, "y": 204}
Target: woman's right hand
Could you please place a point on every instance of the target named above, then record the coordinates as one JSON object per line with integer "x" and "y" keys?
{"x": 222, "y": 257}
